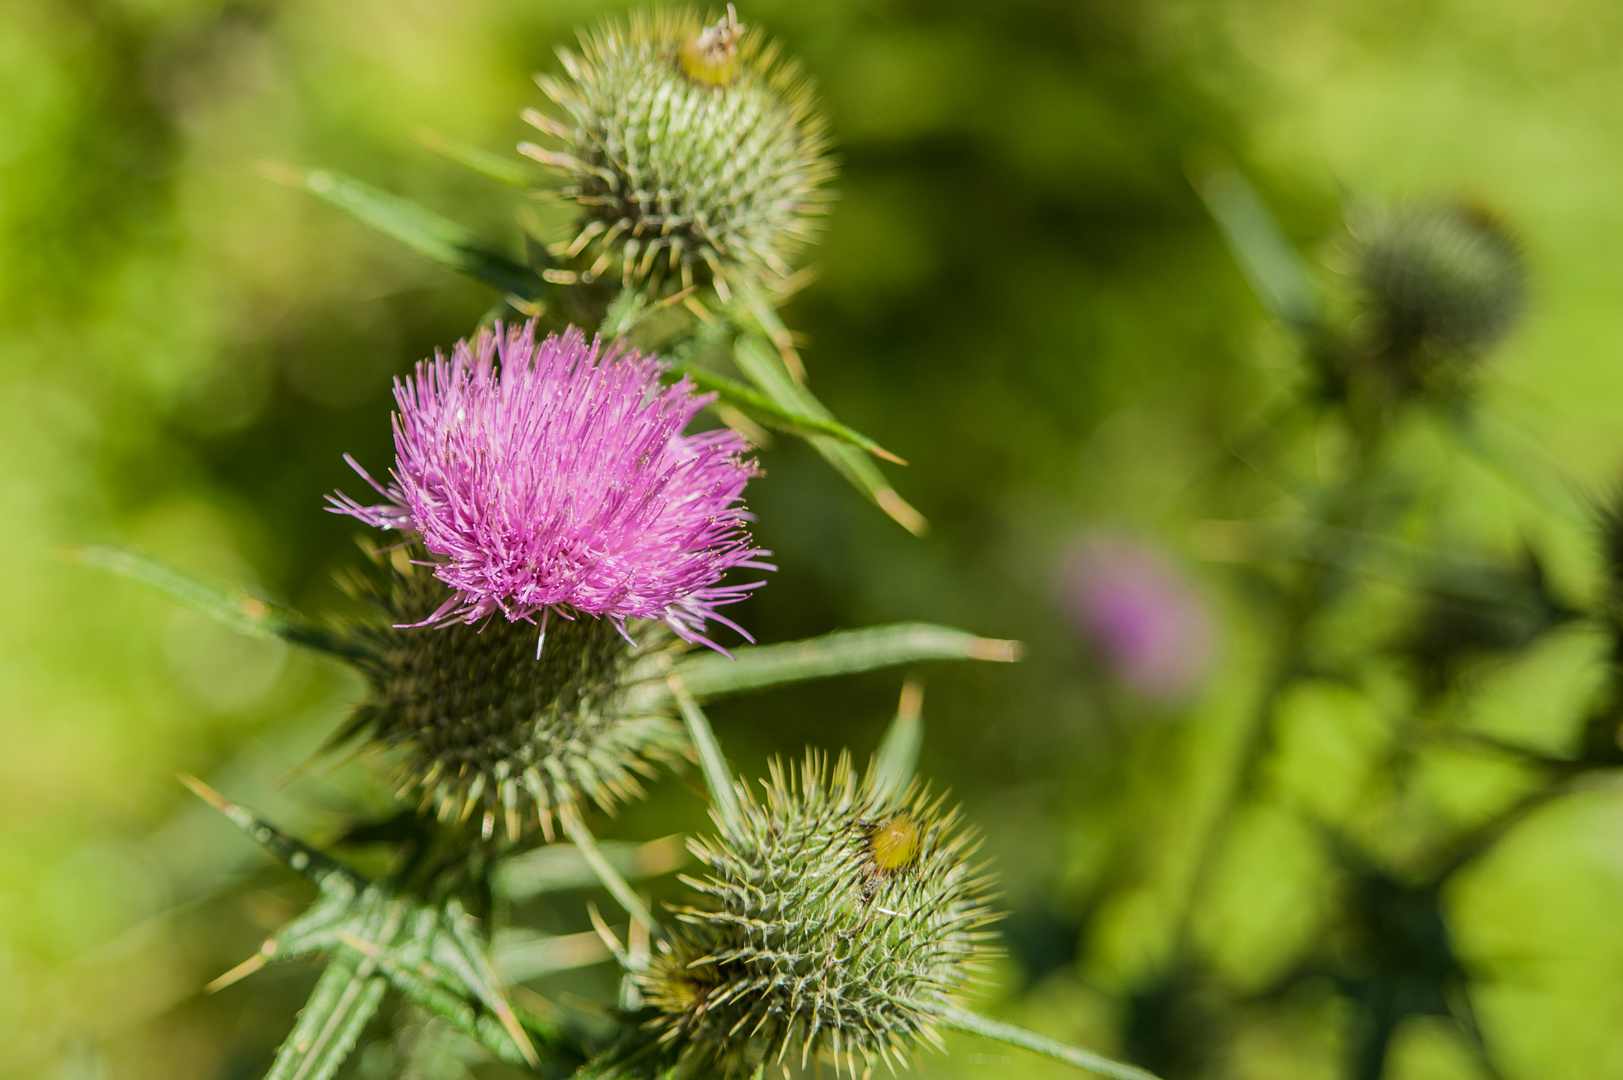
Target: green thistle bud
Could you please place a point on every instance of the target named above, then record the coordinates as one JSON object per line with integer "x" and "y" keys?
{"x": 842, "y": 921}
{"x": 488, "y": 727}
{"x": 694, "y": 152}
{"x": 1444, "y": 279}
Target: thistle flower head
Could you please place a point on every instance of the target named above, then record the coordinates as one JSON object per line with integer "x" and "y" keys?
{"x": 489, "y": 729}
{"x": 692, "y": 150}
{"x": 839, "y": 923}
{"x": 563, "y": 483}
{"x": 1441, "y": 277}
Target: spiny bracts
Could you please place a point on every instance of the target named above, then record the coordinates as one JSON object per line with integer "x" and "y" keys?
{"x": 695, "y": 153}
{"x": 835, "y": 927}
{"x": 492, "y": 733}
{"x": 1442, "y": 278}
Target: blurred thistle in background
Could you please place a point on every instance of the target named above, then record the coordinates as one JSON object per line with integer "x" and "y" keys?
{"x": 1018, "y": 291}
{"x": 1139, "y": 613}
{"x": 1440, "y": 285}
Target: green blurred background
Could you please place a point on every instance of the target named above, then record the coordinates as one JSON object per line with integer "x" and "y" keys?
{"x": 1019, "y": 292}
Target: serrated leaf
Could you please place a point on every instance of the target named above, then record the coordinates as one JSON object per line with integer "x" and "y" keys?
{"x": 843, "y": 652}
{"x": 1270, "y": 264}
{"x": 329, "y": 1024}
{"x": 759, "y": 361}
{"x": 431, "y": 235}
{"x": 432, "y": 953}
{"x": 230, "y": 607}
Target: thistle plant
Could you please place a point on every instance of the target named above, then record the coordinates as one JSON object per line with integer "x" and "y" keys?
{"x": 693, "y": 164}
{"x": 1436, "y": 286}
{"x": 542, "y": 629}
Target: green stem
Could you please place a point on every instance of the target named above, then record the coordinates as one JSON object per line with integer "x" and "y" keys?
{"x": 722, "y": 793}
{"x": 1345, "y": 515}
{"x": 586, "y": 843}
{"x": 975, "y": 1024}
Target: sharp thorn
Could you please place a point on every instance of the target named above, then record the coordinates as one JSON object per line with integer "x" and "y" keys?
{"x": 241, "y": 971}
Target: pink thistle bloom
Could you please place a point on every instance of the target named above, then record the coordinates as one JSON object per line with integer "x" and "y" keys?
{"x": 1139, "y": 613}
{"x": 562, "y": 482}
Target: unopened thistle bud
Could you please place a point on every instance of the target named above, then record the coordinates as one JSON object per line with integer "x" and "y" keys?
{"x": 1445, "y": 279}
{"x": 694, "y": 153}
{"x": 493, "y": 733}
{"x": 838, "y": 925}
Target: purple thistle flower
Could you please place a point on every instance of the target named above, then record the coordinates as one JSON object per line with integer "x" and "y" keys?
{"x": 563, "y": 483}
{"x": 1139, "y": 613}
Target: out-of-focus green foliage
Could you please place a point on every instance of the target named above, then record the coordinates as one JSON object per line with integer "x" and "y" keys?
{"x": 1020, "y": 293}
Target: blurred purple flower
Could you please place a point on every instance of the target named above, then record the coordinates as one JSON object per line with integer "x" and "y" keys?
{"x": 564, "y": 484}
{"x": 1139, "y": 613}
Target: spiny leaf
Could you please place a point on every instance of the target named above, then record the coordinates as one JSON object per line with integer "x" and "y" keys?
{"x": 432, "y": 953}
{"x": 1272, "y": 267}
{"x": 842, "y": 652}
{"x": 760, "y": 407}
{"x": 424, "y": 985}
{"x": 303, "y": 858}
{"x": 329, "y": 1024}
{"x": 431, "y": 235}
{"x": 436, "y": 1050}
{"x": 759, "y": 361}
{"x": 230, "y": 607}
{"x": 898, "y": 754}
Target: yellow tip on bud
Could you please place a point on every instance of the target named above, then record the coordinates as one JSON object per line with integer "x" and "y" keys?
{"x": 711, "y": 58}
{"x": 895, "y": 844}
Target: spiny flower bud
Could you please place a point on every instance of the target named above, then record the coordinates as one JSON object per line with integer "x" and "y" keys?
{"x": 841, "y": 921}
{"x": 488, "y": 728}
{"x": 1444, "y": 278}
{"x": 693, "y": 151}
